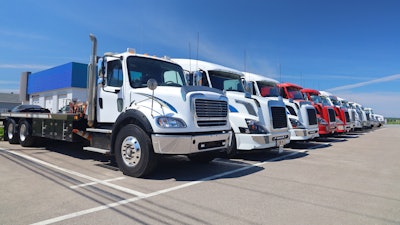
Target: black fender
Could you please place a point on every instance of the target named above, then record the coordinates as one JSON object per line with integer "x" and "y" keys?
{"x": 131, "y": 116}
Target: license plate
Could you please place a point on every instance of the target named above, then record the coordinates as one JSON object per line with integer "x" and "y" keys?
{"x": 312, "y": 132}
{"x": 280, "y": 142}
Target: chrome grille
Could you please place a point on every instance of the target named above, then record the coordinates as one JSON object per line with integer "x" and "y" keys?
{"x": 211, "y": 123}
{"x": 353, "y": 115}
{"x": 347, "y": 115}
{"x": 312, "y": 117}
{"x": 211, "y": 112}
{"x": 279, "y": 119}
{"x": 332, "y": 115}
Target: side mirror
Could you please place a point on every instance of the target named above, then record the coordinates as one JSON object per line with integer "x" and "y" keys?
{"x": 188, "y": 78}
{"x": 248, "y": 89}
{"x": 152, "y": 84}
{"x": 197, "y": 78}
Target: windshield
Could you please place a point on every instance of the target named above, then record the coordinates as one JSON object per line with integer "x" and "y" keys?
{"x": 326, "y": 101}
{"x": 294, "y": 93}
{"x": 268, "y": 89}
{"x": 335, "y": 101}
{"x": 165, "y": 73}
{"x": 345, "y": 104}
{"x": 315, "y": 98}
{"x": 358, "y": 109}
{"x": 226, "y": 81}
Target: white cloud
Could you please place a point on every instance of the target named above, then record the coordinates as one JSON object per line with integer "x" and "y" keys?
{"x": 379, "y": 80}
{"x": 8, "y": 82}
{"x": 23, "y": 66}
{"x": 24, "y": 35}
{"x": 384, "y": 103}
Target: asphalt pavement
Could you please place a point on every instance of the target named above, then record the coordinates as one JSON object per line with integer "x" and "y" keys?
{"x": 349, "y": 179}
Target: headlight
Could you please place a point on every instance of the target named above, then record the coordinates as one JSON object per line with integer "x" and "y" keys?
{"x": 322, "y": 121}
{"x": 296, "y": 124}
{"x": 253, "y": 127}
{"x": 170, "y": 122}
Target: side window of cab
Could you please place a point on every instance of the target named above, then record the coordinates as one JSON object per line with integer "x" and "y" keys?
{"x": 114, "y": 73}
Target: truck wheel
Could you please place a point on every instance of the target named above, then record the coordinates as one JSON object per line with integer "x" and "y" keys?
{"x": 231, "y": 150}
{"x": 12, "y": 133}
{"x": 25, "y": 134}
{"x": 134, "y": 152}
{"x": 203, "y": 157}
{"x": 5, "y": 133}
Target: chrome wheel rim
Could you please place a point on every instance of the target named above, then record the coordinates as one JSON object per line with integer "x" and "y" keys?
{"x": 22, "y": 132}
{"x": 10, "y": 131}
{"x": 131, "y": 151}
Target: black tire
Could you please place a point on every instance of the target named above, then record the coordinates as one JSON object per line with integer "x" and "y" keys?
{"x": 231, "y": 150}
{"x": 134, "y": 152}
{"x": 12, "y": 132}
{"x": 5, "y": 134}
{"x": 203, "y": 157}
{"x": 25, "y": 134}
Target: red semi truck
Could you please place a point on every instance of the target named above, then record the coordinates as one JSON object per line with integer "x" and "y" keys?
{"x": 299, "y": 108}
{"x": 342, "y": 114}
{"x": 326, "y": 113}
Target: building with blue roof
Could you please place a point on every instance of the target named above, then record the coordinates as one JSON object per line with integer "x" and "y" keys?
{"x": 55, "y": 87}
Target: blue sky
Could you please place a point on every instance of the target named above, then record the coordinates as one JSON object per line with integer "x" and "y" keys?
{"x": 350, "y": 48}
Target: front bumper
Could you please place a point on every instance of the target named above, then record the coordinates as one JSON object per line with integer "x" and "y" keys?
{"x": 261, "y": 141}
{"x": 303, "y": 134}
{"x": 188, "y": 144}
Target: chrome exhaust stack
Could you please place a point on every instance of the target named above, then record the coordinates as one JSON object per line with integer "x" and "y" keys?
{"x": 91, "y": 82}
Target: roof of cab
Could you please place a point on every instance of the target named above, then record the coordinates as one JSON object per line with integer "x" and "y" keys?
{"x": 257, "y": 77}
{"x": 193, "y": 64}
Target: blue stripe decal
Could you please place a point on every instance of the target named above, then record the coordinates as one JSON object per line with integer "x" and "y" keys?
{"x": 162, "y": 102}
{"x": 169, "y": 105}
{"x": 232, "y": 109}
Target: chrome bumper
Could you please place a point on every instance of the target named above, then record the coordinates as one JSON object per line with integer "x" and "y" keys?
{"x": 187, "y": 144}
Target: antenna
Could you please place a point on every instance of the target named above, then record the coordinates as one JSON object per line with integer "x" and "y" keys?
{"x": 245, "y": 62}
{"x": 301, "y": 79}
{"x": 198, "y": 41}
{"x": 190, "y": 57}
{"x": 197, "y": 51}
{"x": 280, "y": 73}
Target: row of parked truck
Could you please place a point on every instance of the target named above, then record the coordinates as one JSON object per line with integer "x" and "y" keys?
{"x": 140, "y": 107}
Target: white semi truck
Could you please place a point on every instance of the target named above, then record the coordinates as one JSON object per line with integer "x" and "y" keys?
{"x": 302, "y": 116}
{"x": 257, "y": 122}
{"x": 358, "y": 116}
{"x": 352, "y": 111}
{"x": 138, "y": 108}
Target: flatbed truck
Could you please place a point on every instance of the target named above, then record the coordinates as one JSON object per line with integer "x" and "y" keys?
{"x": 138, "y": 108}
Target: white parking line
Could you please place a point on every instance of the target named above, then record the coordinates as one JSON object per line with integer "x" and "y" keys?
{"x": 126, "y": 201}
{"x": 117, "y": 187}
{"x": 94, "y": 183}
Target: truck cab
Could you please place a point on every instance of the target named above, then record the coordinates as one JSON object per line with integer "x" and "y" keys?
{"x": 360, "y": 116}
{"x": 302, "y": 114}
{"x": 352, "y": 112}
{"x": 342, "y": 114}
{"x": 325, "y": 113}
{"x": 371, "y": 117}
{"x": 257, "y": 123}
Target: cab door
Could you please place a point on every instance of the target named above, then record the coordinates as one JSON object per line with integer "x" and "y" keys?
{"x": 110, "y": 94}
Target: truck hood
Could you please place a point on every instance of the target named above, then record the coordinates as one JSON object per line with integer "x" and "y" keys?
{"x": 166, "y": 99}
